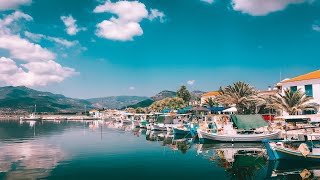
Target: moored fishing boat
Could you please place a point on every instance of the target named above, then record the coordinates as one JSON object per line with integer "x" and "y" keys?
{"x": 32, "y": 116}
{"x": 279, "y": 150}
{"x": 250, "y": 128}
{"x": 158, "y": 127}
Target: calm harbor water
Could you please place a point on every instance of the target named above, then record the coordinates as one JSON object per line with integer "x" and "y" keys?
{"x": 105, "y": 150}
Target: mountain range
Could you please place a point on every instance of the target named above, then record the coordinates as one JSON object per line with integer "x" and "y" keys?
{"x": 147, "y": 102}
{"x": 115, "y": 102}
{"x": 23, "y": 99}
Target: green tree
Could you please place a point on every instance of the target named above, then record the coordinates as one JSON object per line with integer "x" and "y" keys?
{"x": 293, "y": 102}
{"x": 210, "y": 102}
{"x": 240, "y": 94}
{"x": 173, "y": 103}
{"x": 184, "y": 94}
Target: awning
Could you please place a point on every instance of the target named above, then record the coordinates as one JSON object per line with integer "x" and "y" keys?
{"x": 199, "y": 109}
{"x": 216, "y": 108}
{"x": 166, "y": 110}
{"x": 232, "y": 109}
{"x": 249, "y": 121}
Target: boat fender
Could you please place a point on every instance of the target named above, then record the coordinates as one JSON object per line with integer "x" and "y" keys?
{"x": 303, "y": 148}
{"x": 305, "y": 174}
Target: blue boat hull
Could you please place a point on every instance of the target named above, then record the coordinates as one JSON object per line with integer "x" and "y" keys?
{"x": 180, "y": 131}
{"x": 281, "y": 153}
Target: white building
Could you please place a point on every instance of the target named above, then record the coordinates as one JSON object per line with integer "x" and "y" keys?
{"x": 208, "y": 95}
{"x": 308, "y": 83}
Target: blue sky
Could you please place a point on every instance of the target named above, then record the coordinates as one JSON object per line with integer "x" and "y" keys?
{"x": 86, "y": 48}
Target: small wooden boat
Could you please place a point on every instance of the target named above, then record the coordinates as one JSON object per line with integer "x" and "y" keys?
{"x": 238, "y": 137}
{"x": 158, "y": 127}
{"x": 250, "y": 128}
{"x": 277, "y": 151}
{"x": 181, "y": 130}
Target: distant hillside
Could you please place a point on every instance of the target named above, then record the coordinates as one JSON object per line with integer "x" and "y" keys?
{"x": 23, "y": 99}
{"x": 195, "y": 94}
{"x": 161, "y": 95}
{"x": 116, "y": 102}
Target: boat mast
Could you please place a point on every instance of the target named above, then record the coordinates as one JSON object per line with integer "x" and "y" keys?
{"x": 35, "y": 109}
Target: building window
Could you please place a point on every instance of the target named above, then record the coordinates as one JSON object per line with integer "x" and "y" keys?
{"x": 308, "y": 89}
{"x": 294, "y": 88}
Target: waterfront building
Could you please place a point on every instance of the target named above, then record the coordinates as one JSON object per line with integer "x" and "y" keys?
{"x": 308, "y": 83}
{"x": 208, "y": 95}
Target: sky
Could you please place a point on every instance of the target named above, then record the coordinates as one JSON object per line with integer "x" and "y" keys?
{"x": 98, "y": 48}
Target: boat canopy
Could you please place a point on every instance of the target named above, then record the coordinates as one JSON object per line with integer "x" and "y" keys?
{"x": 249, "y": 121}
{"x": 232, "y": 109}
{"x": 166, "y": 110}
{"x": 216, "y": 108}
{"x": 184, "y": 110}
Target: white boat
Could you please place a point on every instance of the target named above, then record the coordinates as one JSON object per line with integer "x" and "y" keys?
{"x": 158, "y": 127}
{"x": 32, "y": 116}
{"x": 148, "y": 126}
{"x": 238, "y": 137}
{"x": 251, "y": 128}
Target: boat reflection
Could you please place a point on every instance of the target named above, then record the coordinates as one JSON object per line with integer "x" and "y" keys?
{"x": 293, "y": 170}
{"x": 240, "y": 160}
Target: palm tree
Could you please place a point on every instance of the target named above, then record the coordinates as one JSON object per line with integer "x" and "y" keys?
{"x": 294, "y": 102}
{"x": 210, "y": 102}
{"x": 240, "y": 94}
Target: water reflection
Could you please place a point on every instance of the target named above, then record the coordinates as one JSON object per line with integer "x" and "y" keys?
{"x": 29, "y": 159}
{"x": 240, "y": 160}
{"x": 35, "y": 150}
{"x": 293, "y": 170}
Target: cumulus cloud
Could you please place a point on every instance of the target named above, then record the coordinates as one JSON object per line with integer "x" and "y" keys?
{"x": 263, "y": 7}
{"x": 125, "y": 26}
{"x": 155, "y": 13}
{"x": 132, "y": 88}
{"x": 71, "y": 26}
{"x": 22, "y": 49}
{"x": 13, "y": 4}
{"x": 208, "y": 1}
{"x": 35, "y": 73}
{"x": 117, "y": 30}
{"x": 191, "y": 82}
{"x": 61, "y": 41}
{"x": 37, "y": 66}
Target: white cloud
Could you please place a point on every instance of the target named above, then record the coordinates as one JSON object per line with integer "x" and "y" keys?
{"x": 155, "y": 13}
{"x": 316, "y": 27}
{"x": 263, "y": 7}
{"x": 132, "y": 88}
{"x": 70, "y": 23}
{"x": 117, "y": 30}
{"x": 208, "y": 1}
{"x": 13, "y": 4}
{"x": 22, "y": 49}
{"x": 125, "y": 10}
{"x": 35, "y": 73}
{"x": 8, "y": 23}
{"x": 191, "y": 82}
{"x": 38, "y": 67}
{"x": 125, "y": 26}
{"x": 61, "y": 41}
